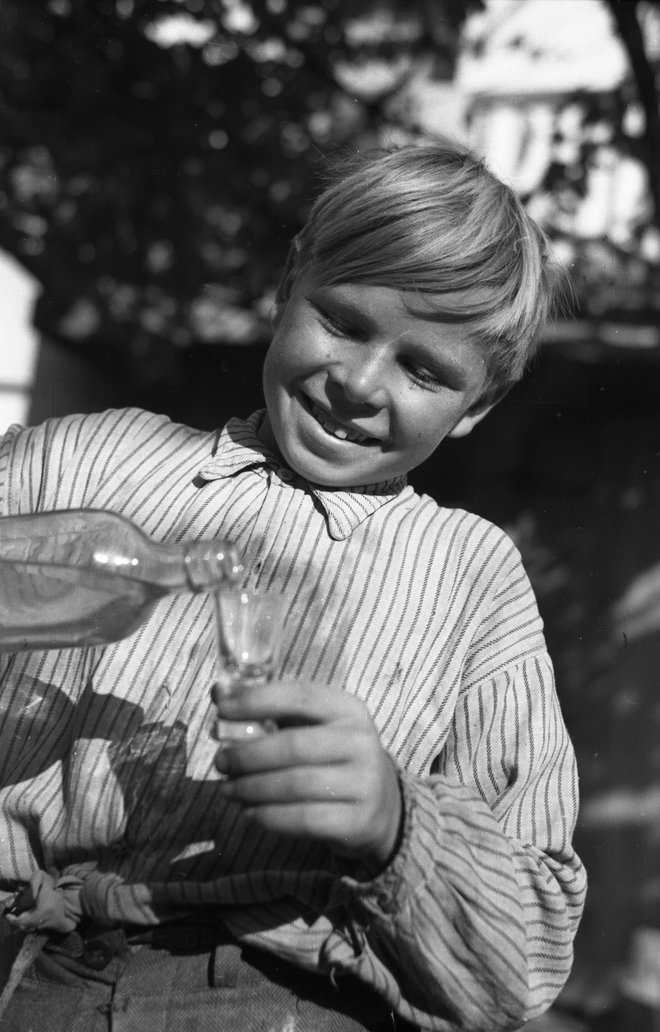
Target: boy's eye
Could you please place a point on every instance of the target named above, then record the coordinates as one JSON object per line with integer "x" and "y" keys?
{"x": 335, "y": 325}
{"x": 424, "y": 376}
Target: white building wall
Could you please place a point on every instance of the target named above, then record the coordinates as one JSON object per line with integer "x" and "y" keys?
{"x": 18, "y": 341}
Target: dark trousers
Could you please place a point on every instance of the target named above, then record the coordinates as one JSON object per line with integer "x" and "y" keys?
{"x": 182, "y": 980}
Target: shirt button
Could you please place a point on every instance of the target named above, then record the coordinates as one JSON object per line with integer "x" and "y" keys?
{"x": 96, "y": 955}
{"x": 285, "y": 475}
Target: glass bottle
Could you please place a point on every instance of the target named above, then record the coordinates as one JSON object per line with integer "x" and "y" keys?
{"x": 85, "y": 577}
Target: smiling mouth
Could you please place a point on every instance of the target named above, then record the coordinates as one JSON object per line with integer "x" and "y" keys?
{"x": 332, "y": 426}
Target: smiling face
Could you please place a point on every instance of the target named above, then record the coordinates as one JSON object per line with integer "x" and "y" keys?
{"x": 360, "y": 390}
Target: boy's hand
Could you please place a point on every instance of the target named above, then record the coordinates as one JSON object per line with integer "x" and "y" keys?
{"x": 323, "y": 775}
{"x": 45, "y": 905}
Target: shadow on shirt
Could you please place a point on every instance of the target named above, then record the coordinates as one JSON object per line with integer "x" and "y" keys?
{"x": 163, "y": 813}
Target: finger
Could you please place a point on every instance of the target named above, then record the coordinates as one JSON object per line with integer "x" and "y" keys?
{"x": 292, "y": 747}
{"x": 47, "y": 910}
{"x": 290, "y": 702}
{"x": 298, "y": 785}
{"x": 26, "y": 922}
{"x": 333, "y": 824}
{"x": 321, "y": 804}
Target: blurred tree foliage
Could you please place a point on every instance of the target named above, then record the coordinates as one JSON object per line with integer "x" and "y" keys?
{"x": 156, "y": 156}
{"x": 616, "y": 272}
{"x": 644, "y": 75}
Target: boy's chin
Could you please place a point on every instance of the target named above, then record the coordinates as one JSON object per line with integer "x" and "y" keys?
{"x": 309, "y": 457}
{"x": 325, "y": 475}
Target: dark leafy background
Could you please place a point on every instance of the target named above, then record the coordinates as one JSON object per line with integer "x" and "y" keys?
{"x": 152, "y": 190}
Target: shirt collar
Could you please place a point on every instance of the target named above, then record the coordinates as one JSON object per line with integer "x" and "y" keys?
{"x": 238, "y": 448}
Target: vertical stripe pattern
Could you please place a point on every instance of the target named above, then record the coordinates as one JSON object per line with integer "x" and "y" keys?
{"x": 106, "y": 763}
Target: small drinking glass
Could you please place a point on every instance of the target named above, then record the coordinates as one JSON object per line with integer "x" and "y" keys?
{"x": 249, "y": 625}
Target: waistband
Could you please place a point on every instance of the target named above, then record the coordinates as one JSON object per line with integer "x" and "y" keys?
{"x": 96, "y": 947}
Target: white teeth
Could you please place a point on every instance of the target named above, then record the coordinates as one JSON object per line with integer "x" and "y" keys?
{"x": 335, "y": 429}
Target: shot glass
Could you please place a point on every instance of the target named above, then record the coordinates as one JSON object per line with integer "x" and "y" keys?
{"x": 249, "y": 625}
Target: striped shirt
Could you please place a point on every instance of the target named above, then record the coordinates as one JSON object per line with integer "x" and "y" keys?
{"x": 423, "y": 612}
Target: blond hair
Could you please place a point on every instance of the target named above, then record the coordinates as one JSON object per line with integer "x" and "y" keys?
{"x": 433, "y": 219}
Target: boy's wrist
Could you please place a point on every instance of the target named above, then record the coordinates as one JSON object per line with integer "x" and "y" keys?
{"x": 372, "y": 864}
{"x": 382, "y": 856}
{"x": 388, "y": 888}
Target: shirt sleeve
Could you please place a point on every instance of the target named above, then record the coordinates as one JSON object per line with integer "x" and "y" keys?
{"x": 34, "y": 462}
{"x": 472, "y": 924}
{"x": 60, "y": 463}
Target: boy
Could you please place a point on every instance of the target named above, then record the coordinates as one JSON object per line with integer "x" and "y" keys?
{"x": 398, "y": 854}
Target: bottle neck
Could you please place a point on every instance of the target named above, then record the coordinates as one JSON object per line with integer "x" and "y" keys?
{"x": 209, "y": 563}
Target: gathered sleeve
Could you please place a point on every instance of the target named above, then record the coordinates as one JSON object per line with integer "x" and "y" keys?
{"x": 472, "y": 924}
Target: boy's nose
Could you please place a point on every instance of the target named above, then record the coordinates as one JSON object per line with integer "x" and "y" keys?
{"x": 362, "y": 379}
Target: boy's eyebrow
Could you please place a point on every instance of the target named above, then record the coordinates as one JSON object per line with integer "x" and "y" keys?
{"x": 320, "y": 295}
{"x": 455, "y": 373}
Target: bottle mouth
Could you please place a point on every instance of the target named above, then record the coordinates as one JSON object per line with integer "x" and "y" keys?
{"x": 209, "y": 563}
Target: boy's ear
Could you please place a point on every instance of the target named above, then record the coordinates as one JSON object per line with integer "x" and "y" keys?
{"x": 469, "y": 419}
{"x": 479, "y": 409}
